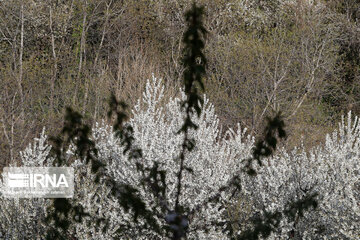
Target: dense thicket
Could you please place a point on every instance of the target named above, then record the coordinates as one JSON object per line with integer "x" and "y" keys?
{"x": 298, "y": 56}
{"x": 330, "y": 170}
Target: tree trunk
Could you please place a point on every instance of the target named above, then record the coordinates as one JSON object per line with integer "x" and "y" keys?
{"x": 20, "y": 78}
{"x": 82, "y": 53}
{"x": 53, "y": 78}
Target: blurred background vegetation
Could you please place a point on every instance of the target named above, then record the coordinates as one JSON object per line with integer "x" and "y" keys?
{"x": 297, "y": 56}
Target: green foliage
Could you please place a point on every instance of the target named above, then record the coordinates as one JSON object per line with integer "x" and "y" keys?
{"x": 266, "y": 146}
{"x": 194, "y": 60}
{"x": 62, "y": 212}
{"x": 194, "y": 63}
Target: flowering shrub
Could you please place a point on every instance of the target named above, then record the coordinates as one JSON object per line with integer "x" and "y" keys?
{"x": 25, "y": 218}
{"x": 212, "y": 161}
{"x": 331, "y": 170}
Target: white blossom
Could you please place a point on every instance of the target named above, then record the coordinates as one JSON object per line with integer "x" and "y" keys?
{"x": 332, "y": 170}
{"x": 25, "y": 218}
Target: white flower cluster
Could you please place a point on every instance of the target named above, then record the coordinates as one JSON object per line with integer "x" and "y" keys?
{"x": 331, "y": 170}
{"x": 213, "y": 160}
{"x": 25, "y": 218}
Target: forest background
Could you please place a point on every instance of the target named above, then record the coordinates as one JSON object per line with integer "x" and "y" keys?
{"x": 297, "y": 56}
